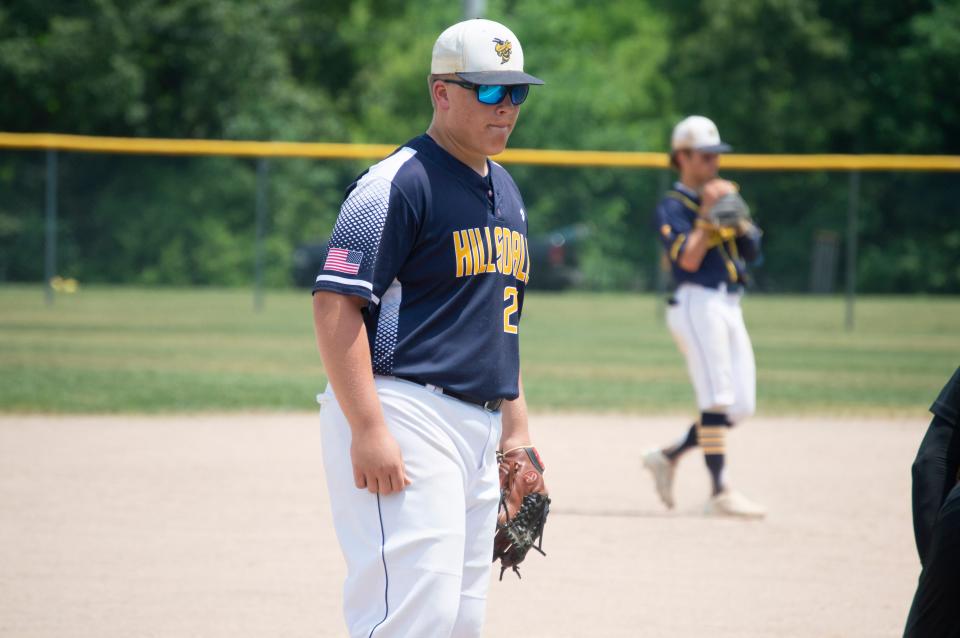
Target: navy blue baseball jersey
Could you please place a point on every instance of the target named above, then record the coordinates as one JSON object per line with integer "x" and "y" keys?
{"x": 441, "y": 255}
{"x": 724, "y": 261}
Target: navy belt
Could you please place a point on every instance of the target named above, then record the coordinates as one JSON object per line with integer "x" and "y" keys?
{"x": 490, "y": 405}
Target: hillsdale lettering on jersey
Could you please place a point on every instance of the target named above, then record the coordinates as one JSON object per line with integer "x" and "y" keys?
{"x": 479, "y": 251}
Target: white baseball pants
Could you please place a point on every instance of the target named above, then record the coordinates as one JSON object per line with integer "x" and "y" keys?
{"x": 707, "y": 325}
{"x": 418, "y": 562}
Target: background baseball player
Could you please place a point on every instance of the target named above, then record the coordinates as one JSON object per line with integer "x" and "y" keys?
{"x": 709, "y": 269}
{"x": 417, "y": 311}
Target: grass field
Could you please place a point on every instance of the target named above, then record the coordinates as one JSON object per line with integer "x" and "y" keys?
{"x": 161, "y": 350}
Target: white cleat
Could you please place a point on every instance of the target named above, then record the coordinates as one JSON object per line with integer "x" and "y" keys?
{"x": 733, "y": 504}
{"x": 662, "y": 469}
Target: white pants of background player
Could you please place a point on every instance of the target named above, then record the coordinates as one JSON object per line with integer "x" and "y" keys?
{"x": 418, "y": 562}
{"x": 707, "y": 325}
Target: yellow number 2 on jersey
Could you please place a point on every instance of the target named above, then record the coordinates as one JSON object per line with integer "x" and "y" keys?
{"x": 510, "y": 294}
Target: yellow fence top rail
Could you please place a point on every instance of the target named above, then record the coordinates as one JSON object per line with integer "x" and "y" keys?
{"x": 623, "y": 159}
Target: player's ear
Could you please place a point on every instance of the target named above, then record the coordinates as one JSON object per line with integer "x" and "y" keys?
{"x": 438, "y": 94}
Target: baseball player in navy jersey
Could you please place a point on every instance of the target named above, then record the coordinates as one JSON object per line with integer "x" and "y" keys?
{"x": 709, "y": 269}
{"x": 936, "y": 520}
{"x": 417, "y": 312}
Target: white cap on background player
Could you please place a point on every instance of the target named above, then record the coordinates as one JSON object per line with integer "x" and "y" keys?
{"x": 481, "y": 51}
{"x": 697, "y": 133}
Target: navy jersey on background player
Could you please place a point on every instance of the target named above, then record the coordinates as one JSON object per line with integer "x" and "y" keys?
{"x": 443, "y": 261}
{"x": 724, "y": 262}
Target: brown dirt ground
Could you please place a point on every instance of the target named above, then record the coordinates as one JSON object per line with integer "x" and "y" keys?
{"x": 219, "y": 526}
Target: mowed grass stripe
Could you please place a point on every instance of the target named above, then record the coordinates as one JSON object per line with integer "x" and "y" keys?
{"x": 117, "y": 349}
{"x": 82, "y": 390}
{"x": 196, "y": 345}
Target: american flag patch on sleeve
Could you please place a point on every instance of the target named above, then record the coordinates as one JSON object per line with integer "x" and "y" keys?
{"x": 343, "y": 260}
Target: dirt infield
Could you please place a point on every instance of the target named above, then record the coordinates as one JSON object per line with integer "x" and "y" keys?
{"x": 219, "y": 526}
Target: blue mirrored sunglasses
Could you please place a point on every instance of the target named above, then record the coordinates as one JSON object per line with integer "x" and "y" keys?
{"x": 494, "y": 93}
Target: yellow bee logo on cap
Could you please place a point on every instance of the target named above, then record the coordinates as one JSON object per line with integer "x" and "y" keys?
{"x": 503, "y": 49}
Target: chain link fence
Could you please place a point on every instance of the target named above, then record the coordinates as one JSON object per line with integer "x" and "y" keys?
{"x": 191, "y": 212}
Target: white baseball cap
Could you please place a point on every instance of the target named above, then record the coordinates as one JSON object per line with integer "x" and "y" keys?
{"x": 697, "y": 133}
{"x": 481, "y": 51}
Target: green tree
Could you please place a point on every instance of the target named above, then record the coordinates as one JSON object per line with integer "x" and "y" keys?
{"x": 193, "y": 68}
{"x": 805, "y": 76}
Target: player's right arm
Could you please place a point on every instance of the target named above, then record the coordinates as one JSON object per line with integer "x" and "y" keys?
{"x": 371, "y": 239}
{"x": 695, "y": 249}
{"x": 685, "y": 243}
{"x": 345, "y": 350}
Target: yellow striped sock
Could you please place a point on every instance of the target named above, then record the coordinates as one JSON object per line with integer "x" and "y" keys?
{"x": 712, "y": 438}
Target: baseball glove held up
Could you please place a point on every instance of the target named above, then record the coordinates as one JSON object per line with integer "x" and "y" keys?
{"x": 729, "y": 211}
{"x": 524, "y": 505}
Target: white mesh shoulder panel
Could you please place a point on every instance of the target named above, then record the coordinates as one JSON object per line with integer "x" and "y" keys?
{"x": 363, "y": 213}
{"x": 385, "y": 342}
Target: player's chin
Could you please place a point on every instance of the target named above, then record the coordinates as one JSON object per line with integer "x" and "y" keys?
{"x": 495, "y": 139}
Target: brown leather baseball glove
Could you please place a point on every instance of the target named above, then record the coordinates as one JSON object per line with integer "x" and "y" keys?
{"x": 524, "y": 505}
